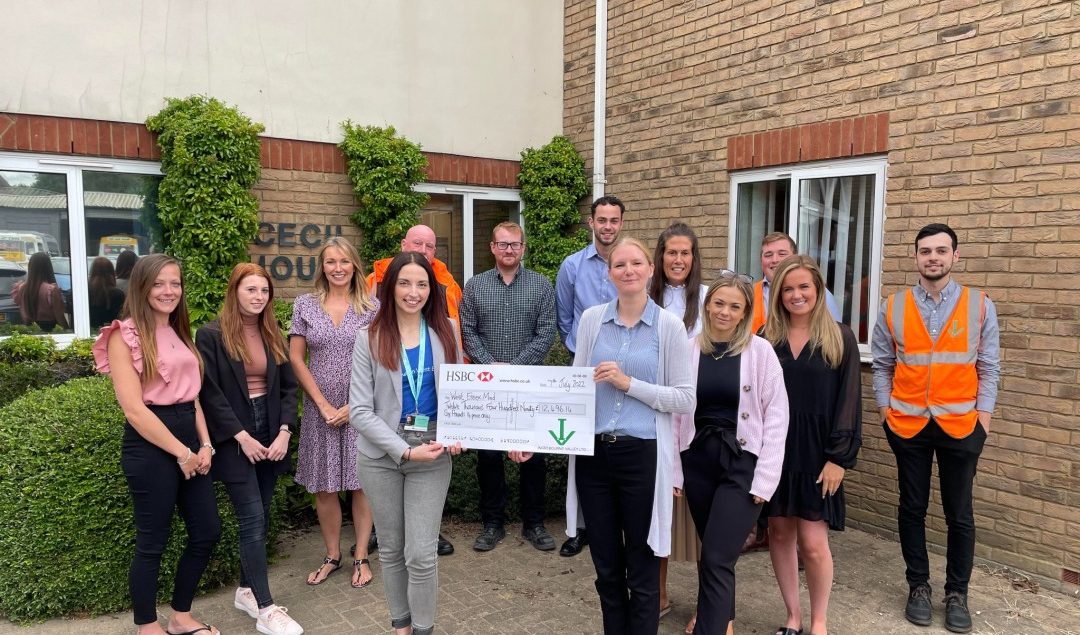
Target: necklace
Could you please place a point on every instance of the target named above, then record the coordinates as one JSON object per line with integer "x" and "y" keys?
{"x": 722, "y": 354}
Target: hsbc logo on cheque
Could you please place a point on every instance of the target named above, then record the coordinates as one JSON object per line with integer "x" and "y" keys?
{"x": 461, "y": 375}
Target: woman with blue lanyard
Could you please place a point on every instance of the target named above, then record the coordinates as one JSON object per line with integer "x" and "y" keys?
{"x": 393, "y": 404}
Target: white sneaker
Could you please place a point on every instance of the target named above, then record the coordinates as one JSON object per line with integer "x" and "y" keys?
{"x": 276, "y": 621}
{"x": 245, "y": 601}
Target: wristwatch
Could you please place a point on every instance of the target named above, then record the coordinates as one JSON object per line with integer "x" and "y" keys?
{"x": 207, "y": 445}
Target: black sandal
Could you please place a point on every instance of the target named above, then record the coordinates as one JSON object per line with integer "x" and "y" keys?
{"x": 336, "y": 563}
{"x": 784, "y": 630}
{"x": 356, "y": 572}
{"x": 204, "y": 627}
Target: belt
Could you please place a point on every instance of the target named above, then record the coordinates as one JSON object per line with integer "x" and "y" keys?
{"x": 612, "y": 438}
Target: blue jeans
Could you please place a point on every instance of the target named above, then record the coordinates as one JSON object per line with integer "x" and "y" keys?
{"x": 251, "y": 504}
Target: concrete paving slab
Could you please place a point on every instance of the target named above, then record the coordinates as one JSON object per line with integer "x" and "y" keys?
{"x": 517, "y": 589}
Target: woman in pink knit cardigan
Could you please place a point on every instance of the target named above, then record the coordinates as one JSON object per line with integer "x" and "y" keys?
{"x": 732, "y": 447}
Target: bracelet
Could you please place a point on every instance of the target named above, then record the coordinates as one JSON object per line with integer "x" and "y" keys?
{"x": 186, "y": 460}
{"x": 285, "y": 428}
{"x": 408, "y": 455}
{"x": 207, "y": 445}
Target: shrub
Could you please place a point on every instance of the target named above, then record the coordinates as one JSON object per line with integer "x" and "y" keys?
{"x": 28, "y": 363}
{"x": 463, "y": 499}
{"x": 207, "y": 213}
{"x": 26, "y": 348}
{"x": 66, "y": 530}
{"x": 383, "y": 168}
{"x": 552, "y": 182}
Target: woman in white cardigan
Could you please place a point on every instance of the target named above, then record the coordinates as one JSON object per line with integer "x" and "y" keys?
{"x": 733, "y": 444}
{"x": 639, "y": 353}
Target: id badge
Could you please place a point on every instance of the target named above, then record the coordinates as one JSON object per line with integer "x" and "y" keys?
{"x": 417, "y": 423}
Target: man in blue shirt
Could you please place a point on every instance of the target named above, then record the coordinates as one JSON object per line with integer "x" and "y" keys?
{"x": 583, "y": 282}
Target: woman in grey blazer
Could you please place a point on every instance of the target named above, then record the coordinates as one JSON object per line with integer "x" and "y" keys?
{"x": 394, "y": 407}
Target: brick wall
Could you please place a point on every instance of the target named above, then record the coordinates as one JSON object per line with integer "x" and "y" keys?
{"x": 981, "y": 100}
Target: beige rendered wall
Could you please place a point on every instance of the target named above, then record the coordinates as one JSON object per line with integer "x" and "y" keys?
{"x": 983, "y": 104}
{"x": 468, "y": 77}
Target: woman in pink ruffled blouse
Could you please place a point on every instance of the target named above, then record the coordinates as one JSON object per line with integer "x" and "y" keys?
{"x": 157, "y": 373}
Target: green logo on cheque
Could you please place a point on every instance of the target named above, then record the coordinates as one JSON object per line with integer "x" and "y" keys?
{"x": 562, "y": 438}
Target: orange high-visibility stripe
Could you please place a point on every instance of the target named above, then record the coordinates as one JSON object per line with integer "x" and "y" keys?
{"x": 934, "y": 378}
{"x": 759, "y": 307}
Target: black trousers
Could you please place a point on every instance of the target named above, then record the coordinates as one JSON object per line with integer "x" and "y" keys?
{"x": 716, "y": 481}
{"x": 493, "y": 491}
{"x": 957, "y": 462}
{"x": 157, "y": 487}
{"x": 616, "y": 490}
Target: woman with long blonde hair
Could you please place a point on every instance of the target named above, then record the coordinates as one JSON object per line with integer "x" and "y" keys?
{"x": 820, "y": 358}
{"x": 732, "y": 446}
{"x": 249, "y": 395}
{"x": 324, "y": 328}
{"x": 167, "y": 454}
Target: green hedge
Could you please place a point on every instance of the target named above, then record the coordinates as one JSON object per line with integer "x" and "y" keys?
{"x": 66, "y": 530}
{"x": 29, "y": 362}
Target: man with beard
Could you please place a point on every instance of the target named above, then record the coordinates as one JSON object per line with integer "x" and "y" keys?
{"x": 936, "y": 371}
{"x": 583, "y": 282}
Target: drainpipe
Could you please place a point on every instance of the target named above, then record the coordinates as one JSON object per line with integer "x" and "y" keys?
{"x": 600, "y": 100}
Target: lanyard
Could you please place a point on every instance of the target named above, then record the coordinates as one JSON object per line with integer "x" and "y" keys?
{"x": 417, "y": 384}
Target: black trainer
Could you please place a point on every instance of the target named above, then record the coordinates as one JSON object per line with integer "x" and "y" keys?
{"x": 445, "y": 547}
{"x": 491, "y": 536}
{"x": 538, "y": 536}
{"x": 957, "y": 616}
{"x": 919, "y": 610}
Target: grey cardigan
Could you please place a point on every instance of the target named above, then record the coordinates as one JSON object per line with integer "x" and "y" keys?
{"x": 375, "y": 398}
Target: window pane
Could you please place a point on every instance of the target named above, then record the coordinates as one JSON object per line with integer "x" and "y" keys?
{"x": 443, "y": 213}
{"x": 119, "y": 208}
{"x": 35, "y": 271}
{"x": 486, "y": 215}
{"x": 835, "y": 222}
{"x": 762, "y": 209}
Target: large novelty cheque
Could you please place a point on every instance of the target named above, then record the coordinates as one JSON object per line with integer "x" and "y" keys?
{"x": 501, "y": 407}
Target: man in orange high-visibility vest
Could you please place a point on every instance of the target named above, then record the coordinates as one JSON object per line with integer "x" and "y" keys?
{"x": 936, "y": 368}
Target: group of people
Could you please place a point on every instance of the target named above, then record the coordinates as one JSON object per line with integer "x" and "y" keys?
{"x": 41, "y": 301}
{"x": 720, "y": 401}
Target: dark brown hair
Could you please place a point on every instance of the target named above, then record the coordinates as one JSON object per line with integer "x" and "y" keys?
{"x": 383, "y": 336}
{"x": 693, "y": 280}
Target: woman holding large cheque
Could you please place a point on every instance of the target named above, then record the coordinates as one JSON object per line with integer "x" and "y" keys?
{"x": 639, "y": 353}
{"x": 393, "y": 404}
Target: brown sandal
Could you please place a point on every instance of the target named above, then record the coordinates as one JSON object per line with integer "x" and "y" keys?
{"x": 357, "y": 564}
{"x": 335, "y": 563}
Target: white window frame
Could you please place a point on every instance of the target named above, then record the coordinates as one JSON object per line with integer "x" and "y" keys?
{"x": 73, "y": 167}
{"x": 469, "y": 195}
{"x": 876, "y": 166}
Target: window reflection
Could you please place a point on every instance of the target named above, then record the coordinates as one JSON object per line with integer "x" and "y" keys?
{"x": 121, "y": 212}
{"x": 35, "y": 273}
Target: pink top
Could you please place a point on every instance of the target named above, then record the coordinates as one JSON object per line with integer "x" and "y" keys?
{"x": 763, "y": 414}
{"x": 256, "y": 370}
{"x": 178, "y": 379}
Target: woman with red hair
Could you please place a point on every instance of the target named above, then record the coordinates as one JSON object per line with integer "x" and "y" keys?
{"x": 249, "y": 396}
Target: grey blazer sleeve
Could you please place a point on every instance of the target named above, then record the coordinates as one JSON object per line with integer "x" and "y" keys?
{"x": 368, "y": 399}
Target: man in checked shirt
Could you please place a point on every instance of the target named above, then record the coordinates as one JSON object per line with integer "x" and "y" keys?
{"x": 508, "y": 317}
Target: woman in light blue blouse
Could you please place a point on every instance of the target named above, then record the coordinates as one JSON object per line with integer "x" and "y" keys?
{"x": 639, "y": 353}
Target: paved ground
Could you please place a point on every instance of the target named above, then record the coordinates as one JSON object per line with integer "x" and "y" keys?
{"x": 516, "y": 589}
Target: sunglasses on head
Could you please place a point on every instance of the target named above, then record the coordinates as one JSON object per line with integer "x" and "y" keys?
{"x": 728, "y": 274}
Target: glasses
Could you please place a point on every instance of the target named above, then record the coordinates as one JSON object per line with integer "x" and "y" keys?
{"x": 514, "y": 246}
{"x": 728, "y": 274}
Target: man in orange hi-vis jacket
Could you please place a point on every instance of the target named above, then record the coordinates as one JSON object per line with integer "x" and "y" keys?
{"x": 936, "y": 368}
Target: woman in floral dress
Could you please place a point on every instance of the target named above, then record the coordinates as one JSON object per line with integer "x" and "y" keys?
{"x": 324, "y": 328}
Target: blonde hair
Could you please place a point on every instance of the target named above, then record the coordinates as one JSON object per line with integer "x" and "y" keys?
{"x": 630, "y": 241}
{"x": 359, "y": 294}
{"x": 742, "y": 336}
{"x": 137, "y": 307}
{"x": 824, "y": 332}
